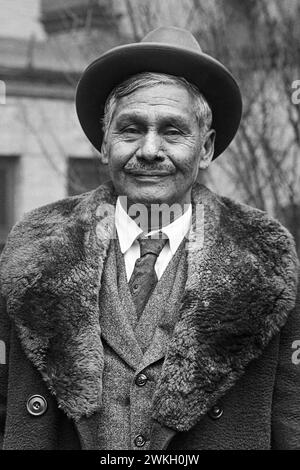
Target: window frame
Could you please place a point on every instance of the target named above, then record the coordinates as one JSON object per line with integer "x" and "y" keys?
{"x": 9, "y": 165}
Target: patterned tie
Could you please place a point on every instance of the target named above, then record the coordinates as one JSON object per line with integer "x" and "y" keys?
{"x": 144, "y": 278}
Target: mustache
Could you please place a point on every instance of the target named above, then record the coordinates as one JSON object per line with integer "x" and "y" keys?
{"x": 144, "y": 169}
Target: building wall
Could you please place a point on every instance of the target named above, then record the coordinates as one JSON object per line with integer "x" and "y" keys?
{"x": 20, "y": 18}
{"x": 44, "y": 134}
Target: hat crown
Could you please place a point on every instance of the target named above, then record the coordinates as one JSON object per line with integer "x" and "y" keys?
{"x": 173, "y": 36}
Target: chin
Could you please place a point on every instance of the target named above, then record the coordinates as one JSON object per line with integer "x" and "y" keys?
{"x": 149, "y": 197}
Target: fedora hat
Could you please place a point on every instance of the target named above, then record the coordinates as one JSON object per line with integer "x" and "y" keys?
{"x": 168, "y": 50}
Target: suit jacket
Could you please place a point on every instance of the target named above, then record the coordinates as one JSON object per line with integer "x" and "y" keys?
{"x": 228, "y": 380}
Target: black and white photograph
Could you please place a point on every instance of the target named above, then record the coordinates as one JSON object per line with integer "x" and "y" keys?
{"x": 149, "y": 228}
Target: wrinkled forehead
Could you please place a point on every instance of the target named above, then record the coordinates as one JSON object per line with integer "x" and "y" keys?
{"x": 157, "y": 100}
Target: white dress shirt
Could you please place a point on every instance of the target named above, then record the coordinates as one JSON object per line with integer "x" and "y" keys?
{"x": 128, "y": 231}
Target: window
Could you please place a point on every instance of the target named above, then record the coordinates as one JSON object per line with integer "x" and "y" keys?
{"x": 85, "y": 174}
{"x": 7, "y": 193}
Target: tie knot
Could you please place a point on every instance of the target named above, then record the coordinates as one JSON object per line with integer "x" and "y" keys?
{"x": 152, "y": 245}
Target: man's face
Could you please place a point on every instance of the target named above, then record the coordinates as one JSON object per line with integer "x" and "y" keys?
{"x": 155, "y": 147}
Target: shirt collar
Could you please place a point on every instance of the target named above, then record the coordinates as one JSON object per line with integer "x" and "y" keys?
{"x": 178, "y": 229}
{"x": 126, "y": 227}
{"x": 128, "y": 230}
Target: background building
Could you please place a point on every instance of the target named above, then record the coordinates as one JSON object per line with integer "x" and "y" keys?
{"x": 45, "y": 45}
{"x": 44, "y": 155}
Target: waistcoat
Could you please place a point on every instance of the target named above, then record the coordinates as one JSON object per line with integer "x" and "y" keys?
{"x": 134, "y": 349}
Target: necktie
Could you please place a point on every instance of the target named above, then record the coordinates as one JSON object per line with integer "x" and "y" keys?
{"x": 144, "y": 278}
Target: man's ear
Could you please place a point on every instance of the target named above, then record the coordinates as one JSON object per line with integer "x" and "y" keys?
{"x": 103, "y": 154}
{"x": 207, "y": 151}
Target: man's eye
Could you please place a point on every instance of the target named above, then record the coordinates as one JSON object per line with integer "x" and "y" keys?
{"x": 130, "y": 130}
{"x": 172, "y": 132}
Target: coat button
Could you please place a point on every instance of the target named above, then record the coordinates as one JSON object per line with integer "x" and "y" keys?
{"x": 141, "y": 380}
{"x": 36, "y": 405}
{"x": 216, "y": 412}
{"x": 139, "y": 441}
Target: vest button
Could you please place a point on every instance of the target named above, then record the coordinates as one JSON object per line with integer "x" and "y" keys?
{"x": 36, "y": 405}
{"x": 216, "y": 412}
{"x": 141, "y": 380}
{"x": 139, "y": 441}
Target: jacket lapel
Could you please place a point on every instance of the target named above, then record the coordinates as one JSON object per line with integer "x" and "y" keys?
{"x": 240, "y": 288}
{"x": 116, "y": 306}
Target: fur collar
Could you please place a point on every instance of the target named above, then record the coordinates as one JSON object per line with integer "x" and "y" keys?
{"x": 241, "y": 286}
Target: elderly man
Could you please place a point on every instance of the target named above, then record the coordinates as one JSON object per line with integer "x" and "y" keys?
{"x": 151, "y": 313}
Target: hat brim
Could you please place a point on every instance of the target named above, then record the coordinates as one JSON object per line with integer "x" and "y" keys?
{"x": 212, "y": 79}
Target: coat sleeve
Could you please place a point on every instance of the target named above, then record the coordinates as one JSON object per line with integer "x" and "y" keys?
{"x": 286, "y": 398}
{"x": 4, "y": 352}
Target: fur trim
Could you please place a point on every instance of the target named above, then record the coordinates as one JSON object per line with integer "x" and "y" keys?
{"x": 50, "y": 275}
{"x": 240, "y": 289}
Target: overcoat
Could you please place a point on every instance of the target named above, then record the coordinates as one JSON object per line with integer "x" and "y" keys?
{"x": 231, "y": 375}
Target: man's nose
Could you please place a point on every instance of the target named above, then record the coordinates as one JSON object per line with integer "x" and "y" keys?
{"x": 150, "y": 146}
